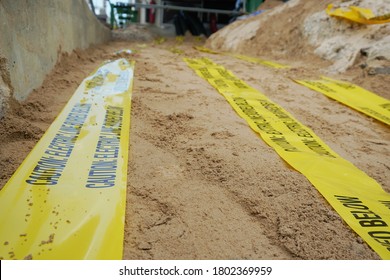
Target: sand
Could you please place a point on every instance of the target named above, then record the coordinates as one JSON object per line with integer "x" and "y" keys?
{"x": 303, "y": 30}
{"x": 201, "y": 183}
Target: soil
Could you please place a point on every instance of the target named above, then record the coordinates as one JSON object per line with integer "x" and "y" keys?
{"x": 201, "y": 183}
{"x": 303, "y": 30}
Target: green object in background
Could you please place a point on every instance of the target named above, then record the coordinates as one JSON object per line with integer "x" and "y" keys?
{"x": 252, "y": 5}
{"x": 123, "y": 13}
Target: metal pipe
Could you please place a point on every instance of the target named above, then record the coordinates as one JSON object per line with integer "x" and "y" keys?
{"x": 181, "y": 8}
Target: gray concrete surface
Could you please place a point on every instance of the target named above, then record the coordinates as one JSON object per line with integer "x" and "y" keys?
{"x": 33, "y": 34}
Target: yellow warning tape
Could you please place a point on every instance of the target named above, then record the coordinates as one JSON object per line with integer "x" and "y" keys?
{"x": 206, "y": 50}
{"x": 67, "y": 199}
{"x": 255, "y": 60}
{"x": 359, "y": 199}
{"x": 176, "y": 50}
{"x": 359, "y": 15}
{"x": 261, "y": 61}
{"x": 160, "y": 40}
{"x": 353, "y": 96}
{"x": 180, "y": 39}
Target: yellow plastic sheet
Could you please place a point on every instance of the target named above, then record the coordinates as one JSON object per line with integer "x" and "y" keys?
{"x": 255, "y": 60}
{"x": 67, "y": 199}
{"x": 357, "y": 14}
{"x": 353, "y": 96}
{"x": 358, "y": 198}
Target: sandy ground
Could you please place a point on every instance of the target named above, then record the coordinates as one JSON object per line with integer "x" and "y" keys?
{"x": 201, "y": 183}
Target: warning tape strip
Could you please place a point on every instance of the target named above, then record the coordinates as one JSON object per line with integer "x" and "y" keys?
{"x": 159, "y": 40}
{"x": 358, "y": 14}
{"x": 358, "y": 198}
{"x": 176, "y": 50}
{"x": 261, "y": 61}
{"x": 353, "y": 96}
{"x": 67, "y": 199}
{"x": 255, "y": 60}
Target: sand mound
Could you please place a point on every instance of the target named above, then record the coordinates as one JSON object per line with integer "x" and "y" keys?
{"x": 310, "y": 31}
{"x": 344, "y": 42}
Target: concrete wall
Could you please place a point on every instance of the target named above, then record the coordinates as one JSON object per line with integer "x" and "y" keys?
{"x": 32, "y": 35}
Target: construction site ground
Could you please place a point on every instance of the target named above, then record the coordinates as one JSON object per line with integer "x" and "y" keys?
{"x": 201, "y": 183}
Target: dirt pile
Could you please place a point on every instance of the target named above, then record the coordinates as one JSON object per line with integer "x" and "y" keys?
{"x": 302, "y": 30}
{"x": 276, "y": 33}
{"x": 348, "y": 44}
{"x": 269, "y": 4}
{"x": 5, "y": 86}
